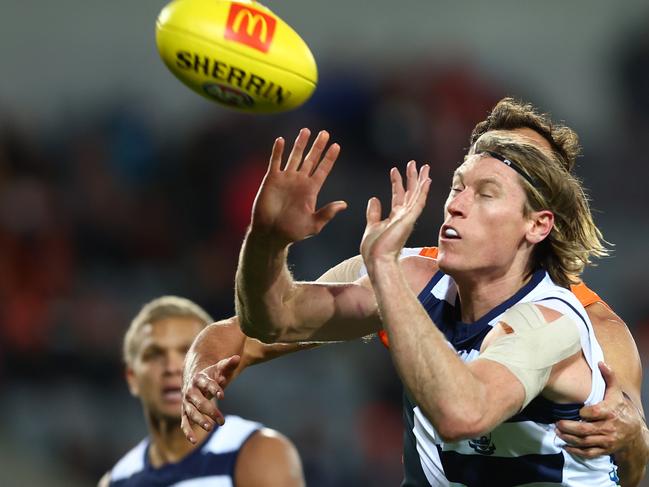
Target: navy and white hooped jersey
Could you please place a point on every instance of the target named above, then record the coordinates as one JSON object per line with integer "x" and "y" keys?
{"x": 210, "y": 465}
{"x": 524, "y": 450}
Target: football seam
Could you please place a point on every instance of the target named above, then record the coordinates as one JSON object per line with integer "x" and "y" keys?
{"x": 206, "y": 39}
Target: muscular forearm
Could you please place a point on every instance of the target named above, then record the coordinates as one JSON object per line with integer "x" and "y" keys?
{"x": 452, "y": 397}
{"x": 263, "y": 283}
{"x": 632, "y": 460}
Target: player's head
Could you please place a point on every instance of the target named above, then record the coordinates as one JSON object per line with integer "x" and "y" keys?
{"x": 515, "y": 205}
{"x": 524, "y": 119}
{"x": 155, "y": 345}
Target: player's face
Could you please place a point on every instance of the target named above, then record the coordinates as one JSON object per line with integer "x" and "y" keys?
{"x": 484, "y": 226}
{"x": 156, "y": 373}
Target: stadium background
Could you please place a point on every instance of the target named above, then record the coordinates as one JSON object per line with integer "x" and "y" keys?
{"x": 118, "y": 184}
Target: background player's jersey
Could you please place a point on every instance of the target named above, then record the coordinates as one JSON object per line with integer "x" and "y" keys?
{"x": 210, "y": 465}
{"x": 524, "y": 450}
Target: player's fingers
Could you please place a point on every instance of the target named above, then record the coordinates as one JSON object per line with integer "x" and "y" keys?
{"x": 576, "y": 428}
{"x": 411, "y": 176}
{"x": 195, "y": 417}
{"x": 323, "y": 169}
{"x": 206, "y": 408}
{"x": 228, "y": 365}
{"x": 314, "y": 154}
{"x": 275, "y": 162}
{"x": 416, "y": 200}
{"x": 586, "y": 441}
{"x": 373, "y": 212}
{"x": 295, "y": 157}
{"x": 207, "y": 386}
{"x": 586, "y": 452}
{"x": 597, "y": 412}
{"x": 325, "y": 214}
{"x": 398, "y": 193}
{"x": 612, "y": 385}
{"x": 186, "y": 428}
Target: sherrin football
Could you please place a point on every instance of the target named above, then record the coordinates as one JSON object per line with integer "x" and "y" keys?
{"x": 239, "y": 54}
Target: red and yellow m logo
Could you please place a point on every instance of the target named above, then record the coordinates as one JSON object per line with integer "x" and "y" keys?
{"x": 249, "y": 26}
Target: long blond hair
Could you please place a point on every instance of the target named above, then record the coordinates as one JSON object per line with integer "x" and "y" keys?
{"x": 575, "y": 239}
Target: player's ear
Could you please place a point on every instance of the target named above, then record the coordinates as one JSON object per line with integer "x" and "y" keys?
{"x": 540, "y": 226}
{"x": 129, "y": 375}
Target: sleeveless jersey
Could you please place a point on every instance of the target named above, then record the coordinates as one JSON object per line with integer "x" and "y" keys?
{"x": 210, "y": 465}
{"x": 524, "y": 450}
{"x": 585, "y": 295}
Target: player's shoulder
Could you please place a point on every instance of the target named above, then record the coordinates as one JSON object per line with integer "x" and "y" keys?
{"x": 272, "y": 455}
{"x": 266, "y": 439}
{"x": 104, "y": 481}
{"x": 131, "y": 463}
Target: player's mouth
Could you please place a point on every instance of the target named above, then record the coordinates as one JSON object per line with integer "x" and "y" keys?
{"x": 171, "y": 394}
{"x": 449, "y": 233}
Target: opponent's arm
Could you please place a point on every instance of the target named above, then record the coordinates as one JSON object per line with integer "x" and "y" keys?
{"x": 270, "y": 304}
{"x": 211, "y": 358}
{"x": 616, "y": 425}
{"x": 218, "y": 354}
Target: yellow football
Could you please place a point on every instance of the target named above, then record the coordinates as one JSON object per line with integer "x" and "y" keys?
{"x": 239, "y": 54}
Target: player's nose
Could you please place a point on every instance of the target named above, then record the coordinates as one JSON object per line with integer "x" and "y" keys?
{"x": 458, "y": 204}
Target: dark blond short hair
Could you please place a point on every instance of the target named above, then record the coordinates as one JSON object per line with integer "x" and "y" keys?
{"x": 159, "y": 309}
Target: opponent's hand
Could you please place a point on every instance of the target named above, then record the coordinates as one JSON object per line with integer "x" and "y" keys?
{"x": 386, "y": 238}
{"x": 199, "y": 392}
{"x": 285, "y": 207}
{"x": 608, "y": 426}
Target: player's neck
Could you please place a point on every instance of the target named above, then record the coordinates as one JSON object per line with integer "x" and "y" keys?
{"x": 479, "y": 295}
{"x": 168, "y": 443}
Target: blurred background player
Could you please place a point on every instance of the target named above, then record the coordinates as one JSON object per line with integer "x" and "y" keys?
{"x": 240, "y": 453}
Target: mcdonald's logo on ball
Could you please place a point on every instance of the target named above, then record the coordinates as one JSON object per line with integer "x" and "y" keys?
{"x": 250, "y": 26}
{"x": 237, "y": 54}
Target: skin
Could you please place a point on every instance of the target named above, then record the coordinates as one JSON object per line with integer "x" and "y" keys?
{"x": 274, "y": 307}
{"x": 614, "y": 426}
{"x": 155, "y": 377}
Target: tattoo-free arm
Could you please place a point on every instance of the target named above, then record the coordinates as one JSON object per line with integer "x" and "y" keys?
{"x": 460, "y": 400}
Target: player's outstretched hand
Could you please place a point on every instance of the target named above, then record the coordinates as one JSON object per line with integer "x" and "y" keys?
{"x": 285, "y": 207}
{"x": 608, "y": 426}
{"x": 199, "y": 393}
{"x": 386, "y": 238}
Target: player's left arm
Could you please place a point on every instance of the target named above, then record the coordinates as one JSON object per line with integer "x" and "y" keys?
{"x": 616, "y": 425}
{"x": 268, "y": 459}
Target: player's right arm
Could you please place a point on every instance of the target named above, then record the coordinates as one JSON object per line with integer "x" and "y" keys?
{"x": 271, "y": 305}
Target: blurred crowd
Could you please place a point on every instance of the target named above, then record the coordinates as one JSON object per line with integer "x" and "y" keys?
{"x": 100, "y": 215}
